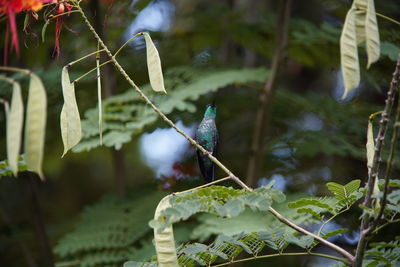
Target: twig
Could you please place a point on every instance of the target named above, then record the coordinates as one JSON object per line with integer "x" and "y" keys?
{"x": 377, "y": 229}
{"x": 390, "y": 161}
{"x": 193, "y": 142}
{"x": 330, "y": 219}
{"x": 13, "y": 69}
{"x": 365, "y": 222}
{"x": 204, "y": 185}
{"x": 283, "y": 254}
{"x": 90, "y": 71}
{"x": 267, "y": 93}
{"x": 84, "y": 57}
{"x": 304, "y": 231}
{"x": 148, "y": 101}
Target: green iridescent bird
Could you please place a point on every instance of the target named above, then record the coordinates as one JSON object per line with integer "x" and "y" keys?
{"x": 207, "y": 137}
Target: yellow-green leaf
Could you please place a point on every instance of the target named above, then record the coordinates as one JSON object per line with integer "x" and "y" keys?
{"x": 70, "y": 120}
{"x": 370, "y": 146}
{"x": 35, "y": 126}
{"x": 154, "y": 65}
{"x": 372, "y": 34}
{"x": 164, "y": 242}
{"x": 349, "y": 54}
{"x": 14, "y": 127}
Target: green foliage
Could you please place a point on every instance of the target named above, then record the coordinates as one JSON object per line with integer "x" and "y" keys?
{"x": 226, "y": 211}
{"x": 390, "y": 50}
{"x": 226, "y": 248}
{"x": 255, "y": 222}
{"x": 383, "y": 254}
{"x": 345, "y": 196}
{"x": 126, "y": 115}
{"x": 218, "y": 200}
{"x": 343, "y": 126}
{"x": 339, "y": 231}
{"x": 392, "y": 208}
{"x": 111, "y": 231}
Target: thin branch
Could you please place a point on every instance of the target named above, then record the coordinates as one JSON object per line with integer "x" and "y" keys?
{"x": 267, "y": 93}
{"x": 84, "y": 57}
{"x": 330, "y": 219}
{"x": 204, "y": 185}
{"x": 283, "y": 254}
{"x": 13, "y": 69}
{"x": 376, "y": 230}
{"x": 148, "y": 101}
{"x": 390, "y": 161}
{"x": 194, "y": 143}
{"x": 90, "y": 71}
{"x": 382, "y": 16}
{"x": 62, "y": 14}
{"x": 388, "y": 18}
{"x": 130, "y": 39}
{"x": 365, "y": 228}
{"x": 304, "y": 231}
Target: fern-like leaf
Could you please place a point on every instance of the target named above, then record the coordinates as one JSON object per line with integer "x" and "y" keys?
{"x": 218, "y": 200}
{"x": 126, "y": 115}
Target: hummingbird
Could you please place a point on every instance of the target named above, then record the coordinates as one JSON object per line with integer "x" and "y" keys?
{"x": 207, "y": 137}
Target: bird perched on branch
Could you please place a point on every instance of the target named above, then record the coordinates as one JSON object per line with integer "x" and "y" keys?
{"x": 207, "y": 137}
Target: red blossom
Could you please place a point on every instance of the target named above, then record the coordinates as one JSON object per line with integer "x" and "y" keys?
{"x": 10, "y": 8}
{"x": 60, "y": 10}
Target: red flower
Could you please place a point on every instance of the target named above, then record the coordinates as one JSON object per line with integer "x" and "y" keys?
{"x": 60, "y": 10}
{"x": 10, "y": 8}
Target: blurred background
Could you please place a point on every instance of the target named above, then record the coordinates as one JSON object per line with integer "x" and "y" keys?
{"x": 96, "y": 201}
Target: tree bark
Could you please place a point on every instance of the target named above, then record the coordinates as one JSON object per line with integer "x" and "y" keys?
{"x": 266, "y": 95}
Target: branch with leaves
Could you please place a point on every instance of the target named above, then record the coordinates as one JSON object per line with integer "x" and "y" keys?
{"x": 157, "y": 84}
{"x": 366, "y": 228}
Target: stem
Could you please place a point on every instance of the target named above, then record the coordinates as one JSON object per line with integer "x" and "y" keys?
{"x": 382, "y": 16}
{"x": 62, "y": 14}
{"x": 99, "y": 96}
{"x": 267, "y": 93}
{"x": 204, "y": 185}
{"x": 24, "y": 71}
{"x": 84, "y": 57}
{"x": 90, "y": 71}
{"x": 194, "y": 143}
{"x": 330, "y": 219}
{"x": 283, "y": 254}
{"x": 147, "y": 100}
{"x": 372, "y": 175}
{"x": 388, "y": 18}
{"x": 130, "y": 39}
{"x": 304, "y": 231}
{"x": 390, "y": 161}
{"x": 8, "y": 80}
{"x": 384, "y": 225}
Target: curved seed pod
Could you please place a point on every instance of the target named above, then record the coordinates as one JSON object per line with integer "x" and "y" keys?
{"x": 372, "y": 34}
{"x": 154, "y": 65}
{"x": 164, "y": 241}
{"x": 349, "y": 54}
{"x": 15, "y": 120}
{"x": 70, "y": 121}
{"x": 35, "y": 126}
